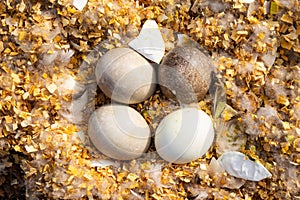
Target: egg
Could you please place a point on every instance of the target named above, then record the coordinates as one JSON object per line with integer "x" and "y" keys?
{"x": 185, "y": 74}
{"x": 125, "y": 76}
{"x": 119, "y": 132}
{"x": 184, "y": 135}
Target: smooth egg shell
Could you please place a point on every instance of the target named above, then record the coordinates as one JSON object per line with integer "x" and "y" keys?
{"x": 184, "y": 135}
{"x": 119, "y": 132}
{"x": 125, "y": 76}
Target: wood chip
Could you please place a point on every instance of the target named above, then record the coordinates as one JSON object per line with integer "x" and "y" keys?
{"x": 286, "y": 18}
{"x": 52, "y": 88}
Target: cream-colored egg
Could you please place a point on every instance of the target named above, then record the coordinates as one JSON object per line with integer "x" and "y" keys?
{"x": 125, "y": 76}
{"x": 184, "y": 135}
{"x": 119, "y": 132}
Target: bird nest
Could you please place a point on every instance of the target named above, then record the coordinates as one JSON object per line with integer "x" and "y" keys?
{"x": 254, "y": 46}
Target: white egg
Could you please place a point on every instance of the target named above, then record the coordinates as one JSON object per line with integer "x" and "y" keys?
{"x": 125, "y": 76}
{"x": 184, "y": 135}
{"x": 119, "y": 132}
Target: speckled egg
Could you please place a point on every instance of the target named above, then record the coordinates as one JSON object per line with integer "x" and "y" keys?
{"x": 119, "y": 132}
{"x": 185, "y": 74}
{"x": 184, "y": 135}
{"x": 125, "y": 76}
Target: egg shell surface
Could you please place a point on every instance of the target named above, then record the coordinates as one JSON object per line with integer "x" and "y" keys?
{"x": 185, "y": 74}
{"x": 119, "y": 132}
{"x": 184, "y": 135}
{"x": 125, "y": 76}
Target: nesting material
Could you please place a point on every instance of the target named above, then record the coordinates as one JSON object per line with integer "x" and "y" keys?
{"x": 185, "y": 74}
{"x": 184, "y": 135}
{"x": 119, "y": 132}
{"x": 125, "y": 76}
{"x": 149, "y": 43}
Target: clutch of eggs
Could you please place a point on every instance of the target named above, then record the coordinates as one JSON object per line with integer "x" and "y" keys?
{"x": 184, "y": 135}
{"x": 125, "y": 76}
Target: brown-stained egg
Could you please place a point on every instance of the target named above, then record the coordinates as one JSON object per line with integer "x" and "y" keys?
{"x": 185, "y": 74}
